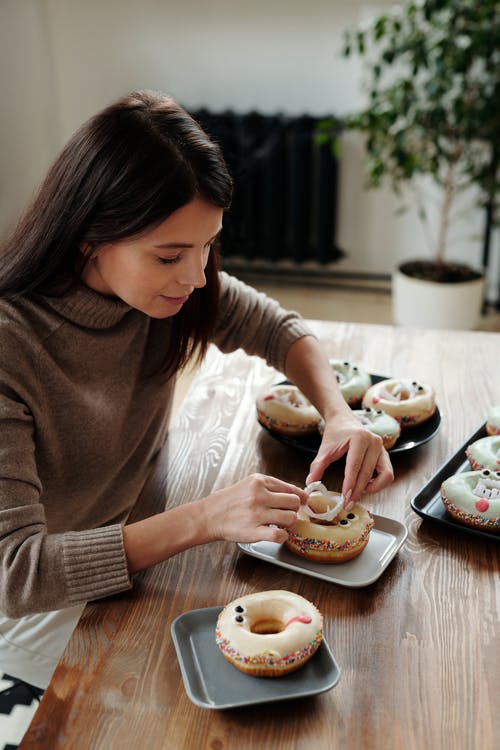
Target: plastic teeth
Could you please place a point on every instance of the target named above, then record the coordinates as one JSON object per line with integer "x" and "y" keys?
{"x": 488, "y": 488}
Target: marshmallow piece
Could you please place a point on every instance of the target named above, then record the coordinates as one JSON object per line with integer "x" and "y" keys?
{"x": 337, "y": 501}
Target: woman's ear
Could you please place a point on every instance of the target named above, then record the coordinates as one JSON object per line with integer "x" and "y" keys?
{"x": 88, "y": 249}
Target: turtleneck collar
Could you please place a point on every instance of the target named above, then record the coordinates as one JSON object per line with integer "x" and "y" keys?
{"x": 86, "y": 307}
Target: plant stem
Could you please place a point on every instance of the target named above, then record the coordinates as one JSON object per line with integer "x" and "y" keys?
{"x": 447, "y": 201}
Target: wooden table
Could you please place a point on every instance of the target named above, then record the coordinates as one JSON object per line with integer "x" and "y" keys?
{"x": 419, "y": 649}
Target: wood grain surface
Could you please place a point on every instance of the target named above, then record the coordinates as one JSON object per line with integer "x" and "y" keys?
{"x": 419, "y": 650}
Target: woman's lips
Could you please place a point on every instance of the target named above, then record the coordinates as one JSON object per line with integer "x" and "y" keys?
{"x": 176, "y": 300}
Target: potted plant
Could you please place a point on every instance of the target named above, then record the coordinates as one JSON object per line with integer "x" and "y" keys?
{"x": 434, "y": 109}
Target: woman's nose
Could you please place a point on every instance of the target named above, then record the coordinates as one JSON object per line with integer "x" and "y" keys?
{"x": 194, "y": 271}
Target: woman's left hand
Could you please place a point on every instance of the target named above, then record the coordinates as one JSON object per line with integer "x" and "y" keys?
{"x": 368, "y": 467}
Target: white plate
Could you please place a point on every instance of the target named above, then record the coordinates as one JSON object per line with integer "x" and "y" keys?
{"x": 385, "y": 540}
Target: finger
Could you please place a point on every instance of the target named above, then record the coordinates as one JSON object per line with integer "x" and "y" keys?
{"x": 357, "y": 467}
{"x": 364, "y": 480}
{"x": 271, "y": 534}
{"x": 284, "y": 501}
{"x": 376, "y": 464}
{"x": 279, "y": 487}
{"x": 282, "y": 518}
{"x": 322, "y": 461}
{"x": 385, "y": 475}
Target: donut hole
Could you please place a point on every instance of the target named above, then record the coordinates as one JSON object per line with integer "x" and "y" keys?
{"x": 403, "y": 394}
{"x": 269, "y": 626}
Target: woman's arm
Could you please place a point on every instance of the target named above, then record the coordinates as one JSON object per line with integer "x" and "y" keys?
{"x": 368, "y": 467}
{"x": 248, "y": 511}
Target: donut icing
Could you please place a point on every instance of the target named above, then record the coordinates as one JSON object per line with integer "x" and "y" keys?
{"x": 380, "y": 423}
{"x": 473, "y": 498}
{"x": 485, "y": 453}
{"x": 270, "y": 633}
{"x": 353, "y": 380}
{"x": 285, "y": 409}
{"x": 493, "y": 421}
{"x": 326, "y": 532}
{"x": 407, "y": 401}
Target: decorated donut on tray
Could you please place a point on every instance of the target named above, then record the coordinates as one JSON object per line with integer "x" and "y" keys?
{"x": 270, "y": 633}
{"x": 353, "y": 380}
{"x": 325, "y": 532}
{"x": 484, "y": 453}
{"x": 473, "y": 498}
{"x": 284, "y": 408}
{"x": 408, "y": 401}
{"x": 380, "y": 423}
{"x": 493, "y": 421}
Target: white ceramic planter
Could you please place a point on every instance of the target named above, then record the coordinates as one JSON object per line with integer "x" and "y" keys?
{"x": 429, "y": 304}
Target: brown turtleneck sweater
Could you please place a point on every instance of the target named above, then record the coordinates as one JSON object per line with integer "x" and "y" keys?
{"x": 81, "y": 425}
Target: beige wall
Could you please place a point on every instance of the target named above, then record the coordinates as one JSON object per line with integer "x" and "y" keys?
{"x": 61, "y": 60}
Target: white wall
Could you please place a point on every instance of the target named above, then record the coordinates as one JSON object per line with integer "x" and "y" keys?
{"x": 62, "y": 60}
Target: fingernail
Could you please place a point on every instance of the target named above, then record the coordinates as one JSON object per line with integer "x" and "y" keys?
{"x": 347, "y": 500}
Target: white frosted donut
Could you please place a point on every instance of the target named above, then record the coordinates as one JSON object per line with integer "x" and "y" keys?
{"x": 408, "y": 401}
{"x": 484, "y": 453}
{"x": 380, "y": 423}
{"x": 270, "y": 633}
{"x": 325, "y": 532}
{"x": 285, "y": 409}
{"x": 352, "y": 379}
{"x": 493, "y": 421}
{"x": 473, "y": 498}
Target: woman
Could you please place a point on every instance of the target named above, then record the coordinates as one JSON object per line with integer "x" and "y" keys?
{"x": 108, "y": 287}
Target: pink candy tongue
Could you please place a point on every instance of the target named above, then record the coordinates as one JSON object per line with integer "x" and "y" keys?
{"x": 300, "y": 618}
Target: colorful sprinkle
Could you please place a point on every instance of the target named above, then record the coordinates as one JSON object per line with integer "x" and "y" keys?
{"x": 265, "y": 657}
{"x": 324, "y": 545}
{"x": 472, "y": 518}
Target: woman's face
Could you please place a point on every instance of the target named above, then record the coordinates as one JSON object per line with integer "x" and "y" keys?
{"x": 156, "y": 272}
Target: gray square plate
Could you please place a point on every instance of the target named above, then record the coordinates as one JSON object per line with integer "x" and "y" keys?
{"x": 385, "y": 540}
{"x": 211, "y": 682}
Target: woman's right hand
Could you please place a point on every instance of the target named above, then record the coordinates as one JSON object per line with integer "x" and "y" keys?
{"x": 256, "y": 509}
{"x": 252, "y": 510}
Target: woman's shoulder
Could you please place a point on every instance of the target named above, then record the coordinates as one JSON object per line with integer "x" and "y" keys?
{"x": 24, "y": 323}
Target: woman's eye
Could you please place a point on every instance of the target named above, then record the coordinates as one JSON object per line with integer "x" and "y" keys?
{"x": 167, "y": 261}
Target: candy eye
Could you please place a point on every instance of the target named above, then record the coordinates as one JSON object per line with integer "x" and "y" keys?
{"x": 414, "y": 382}
{"x": 239, "y": 608}
{"x": 346, "y": 364}
{"x": 368, "y": 409}
{"x": 352, "y": 516}
{"x": 344, "y": 522}
{"x": 355, "y": 368}
{"x": 420, "y": 388}
{"x": 239, "y": 619}
{"x": 379, "y": 411}
{"x": 485, "y": 473}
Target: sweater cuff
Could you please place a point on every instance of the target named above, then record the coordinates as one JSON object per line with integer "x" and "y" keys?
{"x": 95, "y": 563}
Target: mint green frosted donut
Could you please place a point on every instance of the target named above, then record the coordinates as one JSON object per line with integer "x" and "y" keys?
{"x": 380, "y": 423}
{"x": 485, "y": 453}
{"x": 493, "y": 421}
{"x": 473, "y": 498}
{"x": 353, "y": 380}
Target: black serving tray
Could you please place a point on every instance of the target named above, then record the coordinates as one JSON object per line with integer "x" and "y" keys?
{"x": 428, "y": 503}
{"x": 411, "y": 437}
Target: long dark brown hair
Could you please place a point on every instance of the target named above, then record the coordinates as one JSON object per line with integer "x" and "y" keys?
{"x": 124, "y": 171}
